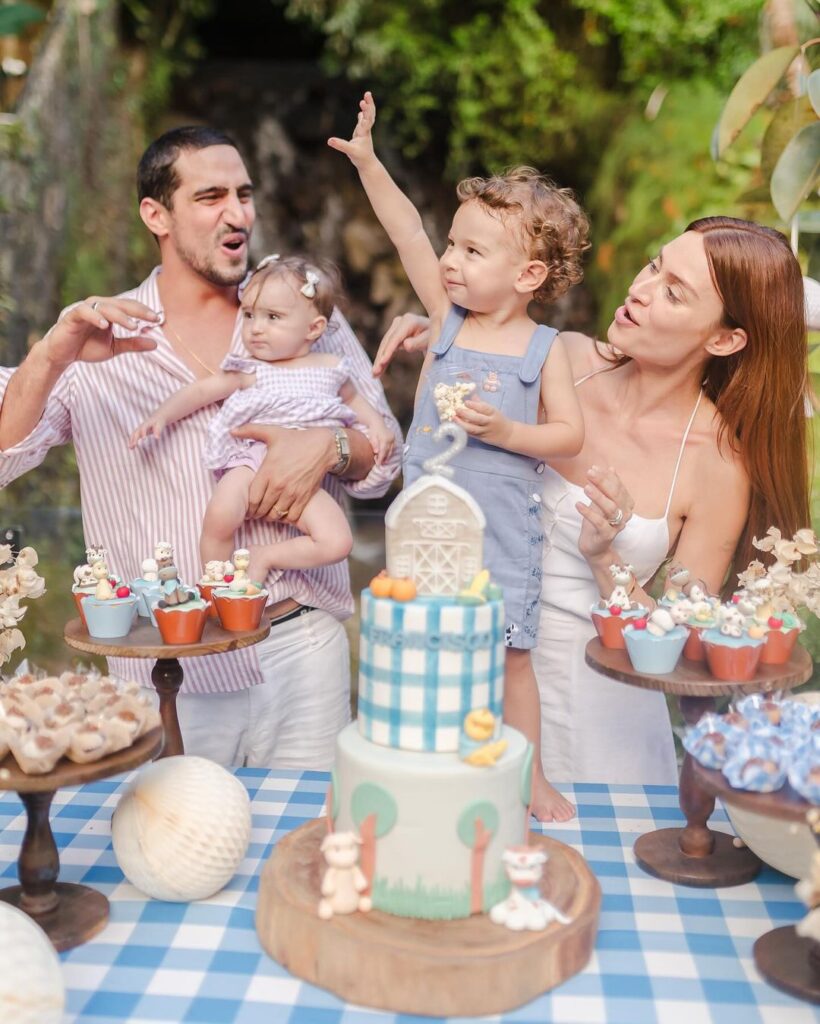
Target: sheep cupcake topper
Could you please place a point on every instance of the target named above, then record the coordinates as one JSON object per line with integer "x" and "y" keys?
{"x": 18, "y": 582}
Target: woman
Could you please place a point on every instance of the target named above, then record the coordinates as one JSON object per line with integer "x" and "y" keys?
{"x": 695, "y": 443}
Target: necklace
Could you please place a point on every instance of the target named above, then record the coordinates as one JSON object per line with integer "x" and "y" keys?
{"x": 190, "y": 351}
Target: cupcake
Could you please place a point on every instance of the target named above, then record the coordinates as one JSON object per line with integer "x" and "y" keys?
{"x": 240, "y": 606}
{"x": 654, "y": 644}
{"x": 612, "y": 614}
{"x": 216, "y": 574}
{"x": 147, "y": 588}
{"x": 182, "y": 623}
{"x": 783, "y": 630}
{"x": 733, "y": 650}
{"x": 110, "y": 618}
{"x": 702, "y": 616}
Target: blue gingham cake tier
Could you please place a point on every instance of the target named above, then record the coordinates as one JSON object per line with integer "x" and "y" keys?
{"x": 423, "y": 665}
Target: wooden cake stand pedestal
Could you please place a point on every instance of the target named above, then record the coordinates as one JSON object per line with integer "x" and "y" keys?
{"x": 785, "y": 959}
{"x": 696, "y": 855}
{"x": 407, "y": 965}
{"x": 70, "y": 914}
{"x": 144, "y": 641}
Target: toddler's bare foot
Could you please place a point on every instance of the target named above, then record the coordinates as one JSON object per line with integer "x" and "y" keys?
{"x": 547, "y": 803}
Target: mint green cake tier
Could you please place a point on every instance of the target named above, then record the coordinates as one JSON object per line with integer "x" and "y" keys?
{"x": 424, "y": 817}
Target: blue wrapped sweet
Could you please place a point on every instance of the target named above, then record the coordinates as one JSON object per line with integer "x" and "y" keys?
{"x": 710, "y": 741}
{"x": 804, "y": 776}
{"x": 761, "y": 709}
{"x": 757, "y": 764}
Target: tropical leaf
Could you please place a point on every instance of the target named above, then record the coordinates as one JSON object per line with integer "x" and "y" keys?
{"x": 788, "y": 120}
{"x": 795, "y": 174}
{"x": 813, "y": 88}
{"x": 750, "y": 91}
{"x": 16, "y": 17}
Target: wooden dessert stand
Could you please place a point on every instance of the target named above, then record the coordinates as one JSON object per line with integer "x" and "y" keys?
{"x": 785, "y": 959}
{"x": 696, "y": 855}
{"x": 70, "y": 914}
{"x": 166, "y": 675}
{"x": 407, "y": 965}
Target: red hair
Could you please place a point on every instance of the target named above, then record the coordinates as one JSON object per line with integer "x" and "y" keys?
{"x": 761, "y": 391}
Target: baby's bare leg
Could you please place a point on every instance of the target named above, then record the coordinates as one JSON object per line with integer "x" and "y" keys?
{"x": 327, "y": 538}
{"x": 224, "y": 515}
{"x": 522, "y": 710}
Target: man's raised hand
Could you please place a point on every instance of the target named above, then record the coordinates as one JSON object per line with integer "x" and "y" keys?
{"x": 85, "y": 332}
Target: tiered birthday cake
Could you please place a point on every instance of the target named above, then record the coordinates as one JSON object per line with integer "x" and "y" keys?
{"x": 429, "y": 779}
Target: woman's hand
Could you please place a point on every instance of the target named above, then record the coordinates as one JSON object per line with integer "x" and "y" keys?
{"x": 609, "y": 510}
{"x": 84, "y": 333}
{"x": 292, "y": 471}
{"x": 409, "y": 332}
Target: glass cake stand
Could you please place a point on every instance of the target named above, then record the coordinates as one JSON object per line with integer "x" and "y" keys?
{"x": 785, "y": 959}
{"x": 696, "y": 855}
{"x": 166, "y": 674}
{"x": 70, "y": 914}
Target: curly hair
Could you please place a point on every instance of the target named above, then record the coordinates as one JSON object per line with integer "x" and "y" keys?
{"x": 328, "y": 287}
{"x": 553, "y": 226}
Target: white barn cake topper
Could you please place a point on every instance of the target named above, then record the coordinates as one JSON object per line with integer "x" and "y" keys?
{"x": 434, "y": 530}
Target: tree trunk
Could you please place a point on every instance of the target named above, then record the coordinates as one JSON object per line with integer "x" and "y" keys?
{"x": 367, "y": 858}
{"x": 782, "y": 31}
{"x": 482, "y": 839}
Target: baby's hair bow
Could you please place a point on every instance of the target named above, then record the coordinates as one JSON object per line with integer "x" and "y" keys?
{"x": 308, "y": 289}
{"x": 266, "y": 260}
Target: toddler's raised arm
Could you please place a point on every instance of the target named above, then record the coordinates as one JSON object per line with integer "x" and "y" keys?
{"x": 399, "y": 218}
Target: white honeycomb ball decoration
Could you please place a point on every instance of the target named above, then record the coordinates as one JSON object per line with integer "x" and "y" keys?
{"x": 31, "y": 981}
{"x": 181, "y": 829}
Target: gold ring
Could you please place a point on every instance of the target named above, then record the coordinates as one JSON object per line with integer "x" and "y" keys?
{"x": 281, "y": 515}
{"x": 94, "y": 305}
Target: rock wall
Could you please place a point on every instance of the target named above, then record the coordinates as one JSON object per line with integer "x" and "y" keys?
{"x": 66, "y": 173}
{"x": 309, "y": 197}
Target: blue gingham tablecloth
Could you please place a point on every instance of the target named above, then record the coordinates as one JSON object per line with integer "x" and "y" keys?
{"x": 664, "y": 953}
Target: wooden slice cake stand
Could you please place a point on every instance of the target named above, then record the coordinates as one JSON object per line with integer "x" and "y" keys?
{"x": 696, "y": 855}
{"x": 144, "y": 641}
{"x": 407, "y": 965}
{"x": 785, "y": 959}
{"x": 70, "y": 914}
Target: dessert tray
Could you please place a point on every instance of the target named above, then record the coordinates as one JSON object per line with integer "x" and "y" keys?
{"x": 695, "y": 855}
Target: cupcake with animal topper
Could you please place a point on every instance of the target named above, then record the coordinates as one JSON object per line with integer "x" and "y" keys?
{"x": 85, "y": 581}
{"x": 180, "y": 613}
{"x": 148, "y": 587}
{"x": 215, "y": 575}
{"x": 109, "y": 612}
{"x": 241, "y": 603}
{"x": 612, "y": 614}
{"x": 654, "y": 643}
{"x": 702, "y": 615}
{"x": 734, "y": 646}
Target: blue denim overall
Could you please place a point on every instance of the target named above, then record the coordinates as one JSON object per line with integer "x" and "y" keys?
{"x": 507, "y": 486}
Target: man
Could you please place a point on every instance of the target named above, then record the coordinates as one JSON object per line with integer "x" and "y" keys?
{"x": 107, "y": 363}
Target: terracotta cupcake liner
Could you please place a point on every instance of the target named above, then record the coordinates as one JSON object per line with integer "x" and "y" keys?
{"x": 611, "y": 630}
{"x": 693, "y": 649}
{"x": 78, "y": 600}
{"x": 733, "y": 664}
{"x": 240, "y": 614}
{"x": 181, "y": 627}
{"x": 779, "y": 646}
{"x": 206, "y": 591}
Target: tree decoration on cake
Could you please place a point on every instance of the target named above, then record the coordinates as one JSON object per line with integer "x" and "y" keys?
{"x": 476, "y": 827}
{"x": 374, "y": 811}
{"x": 18, "y": 582}
{"x": 434, "y": 530}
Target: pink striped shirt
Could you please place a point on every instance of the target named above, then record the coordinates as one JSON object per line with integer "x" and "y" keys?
{"x": 133, "y": 498}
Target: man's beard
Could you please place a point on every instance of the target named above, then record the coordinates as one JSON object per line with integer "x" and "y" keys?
{"x": 204, "y": 266}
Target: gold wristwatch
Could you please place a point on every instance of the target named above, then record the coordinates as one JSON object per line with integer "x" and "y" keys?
{"x": 342, "y": 443}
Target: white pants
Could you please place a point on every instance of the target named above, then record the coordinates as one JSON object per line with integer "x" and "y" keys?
{"x": 293, "y": 718}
